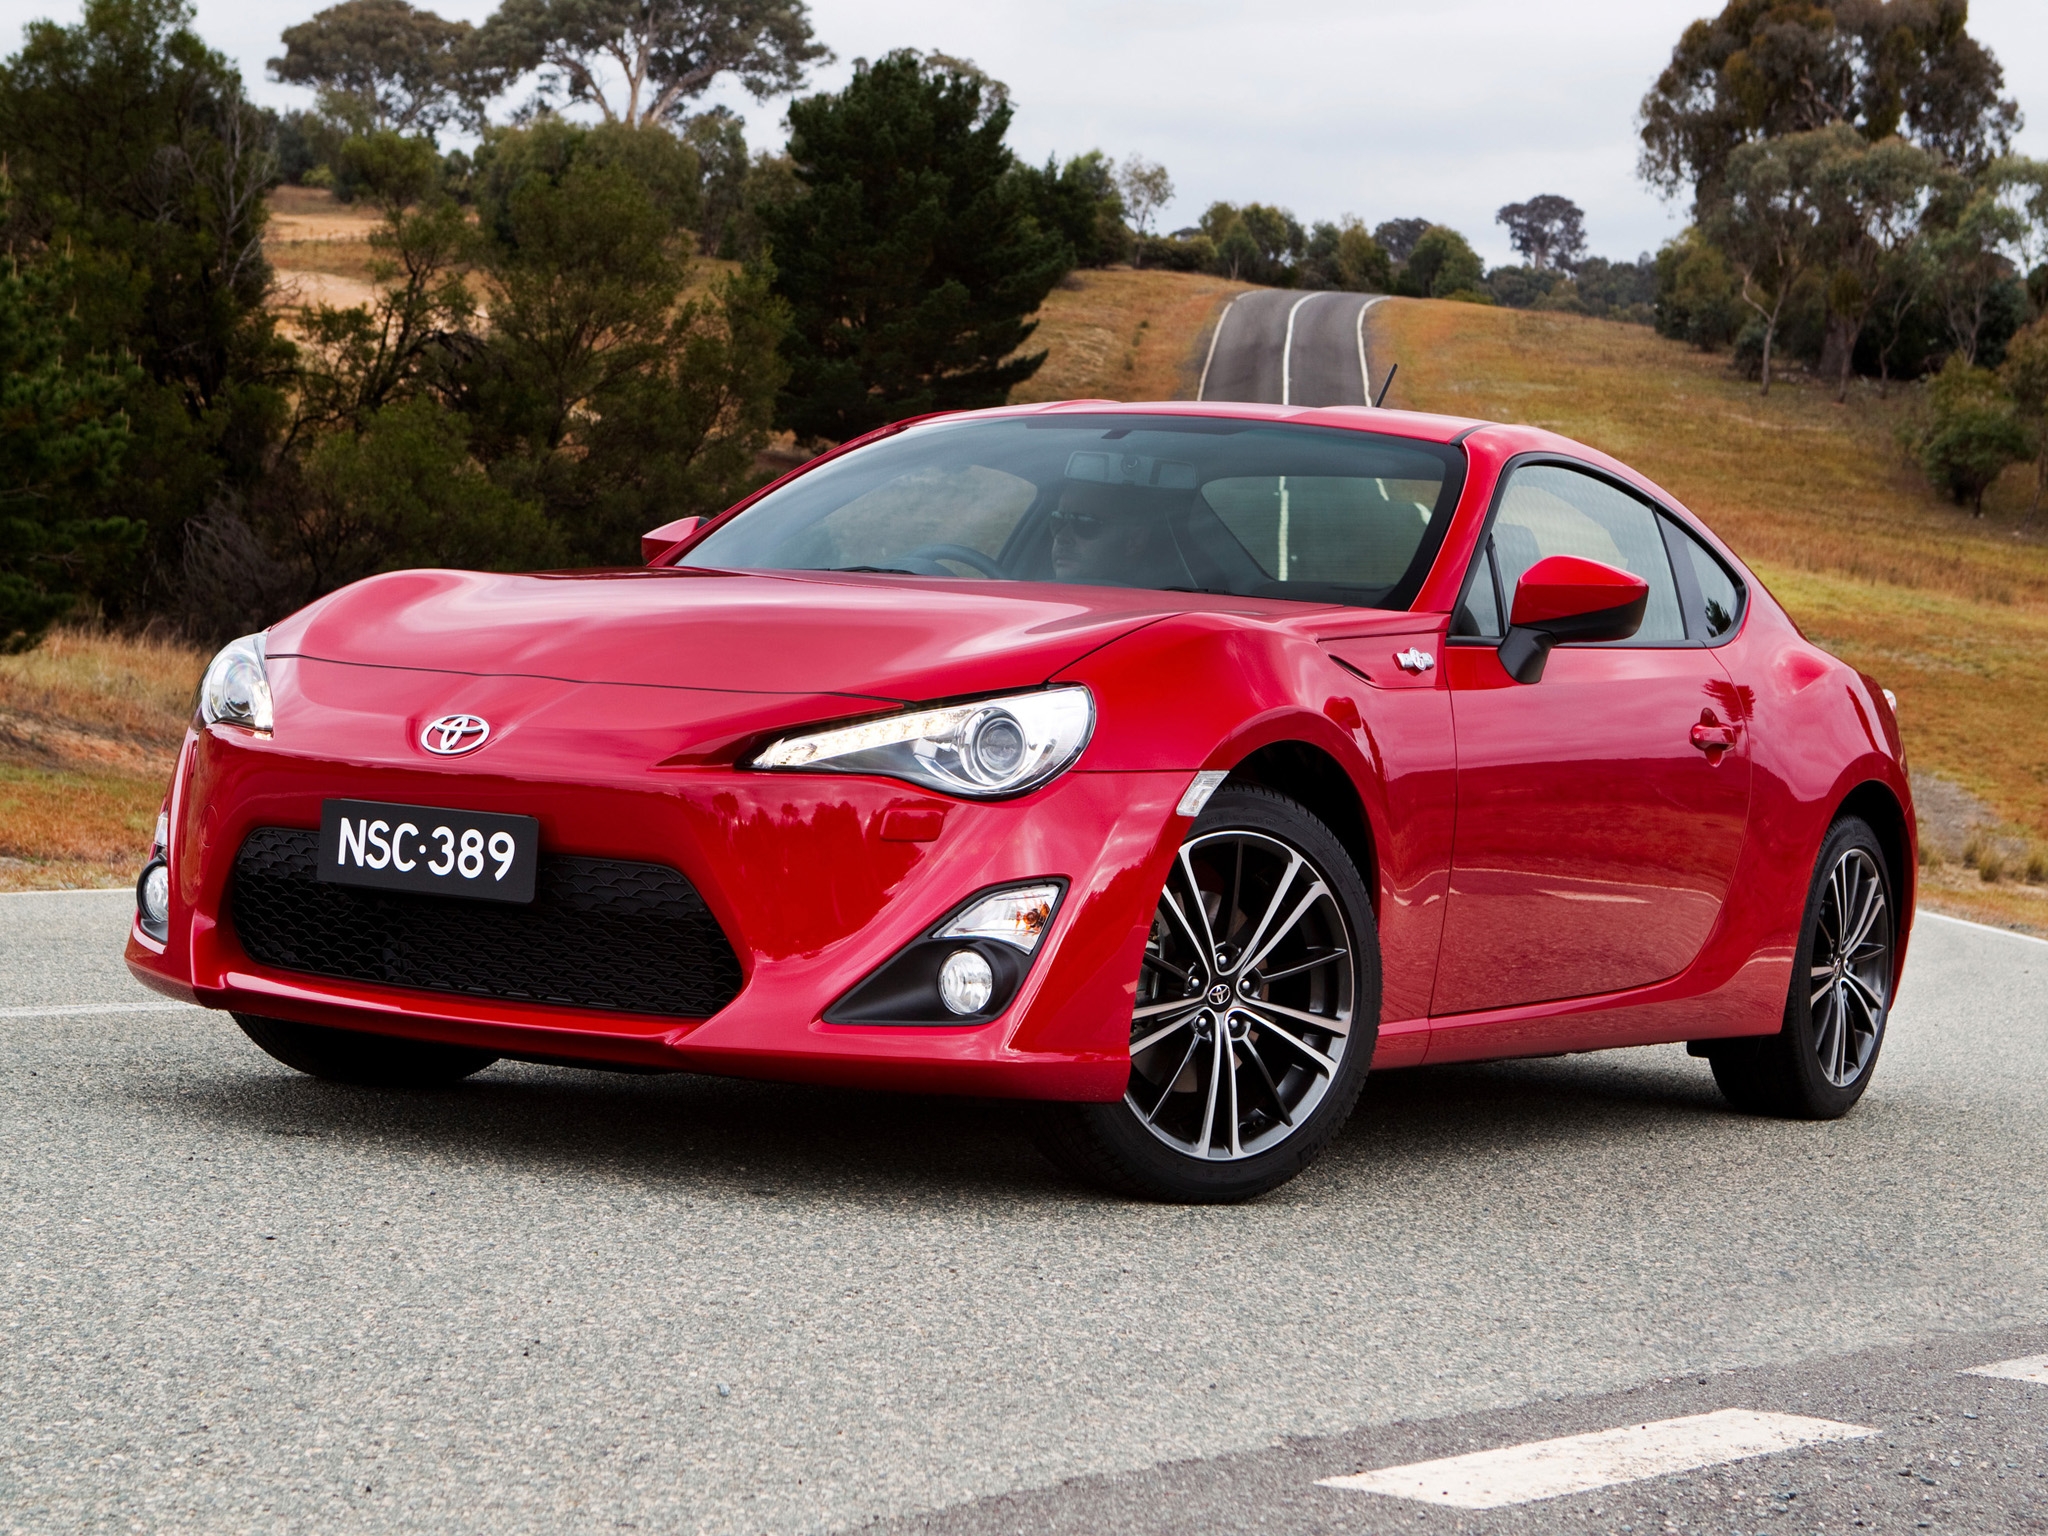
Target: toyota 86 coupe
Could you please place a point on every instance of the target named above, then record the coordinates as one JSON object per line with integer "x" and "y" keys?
{"x": 1170, "y": 766}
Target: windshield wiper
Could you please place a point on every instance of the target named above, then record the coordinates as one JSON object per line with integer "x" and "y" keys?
{"x": 870, "y": 570}
{"x": 1205, "y": 591}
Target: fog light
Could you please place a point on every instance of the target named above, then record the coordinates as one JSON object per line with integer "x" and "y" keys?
{"x": 965, "y": 982}
{"x": 153, "y": 897}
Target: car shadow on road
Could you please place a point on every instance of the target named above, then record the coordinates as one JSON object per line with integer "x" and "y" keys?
{"x": 769, "y": 1138}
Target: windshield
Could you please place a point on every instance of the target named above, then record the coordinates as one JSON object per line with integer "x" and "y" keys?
{"x": 1179, "y": 504}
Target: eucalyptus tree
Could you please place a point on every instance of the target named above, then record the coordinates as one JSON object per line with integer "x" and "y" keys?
{"x": 642, "y": 62}
{"x": 1550, "y": 231}
{"x": 1870, "y": 198}
{"x": 1772, "y": 223}
{"x": 1764, "y": 69}
{"x": 383, "y": 64}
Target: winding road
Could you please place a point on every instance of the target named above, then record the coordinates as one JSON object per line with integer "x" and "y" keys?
{"x": 1286, "y": 348}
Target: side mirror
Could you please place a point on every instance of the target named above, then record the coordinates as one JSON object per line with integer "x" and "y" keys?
{"x": 656, "y": 542}
{"x": 1562, "y": 597}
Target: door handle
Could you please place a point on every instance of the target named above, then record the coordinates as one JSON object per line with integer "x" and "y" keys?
{"x": 1710, "y": 736}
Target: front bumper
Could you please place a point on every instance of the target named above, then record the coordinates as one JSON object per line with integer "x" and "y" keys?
{"x": 796, "y": 869}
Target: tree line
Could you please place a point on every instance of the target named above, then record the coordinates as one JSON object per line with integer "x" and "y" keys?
{"x": 1857, "y": 208}
{"x": 548, "y": 366}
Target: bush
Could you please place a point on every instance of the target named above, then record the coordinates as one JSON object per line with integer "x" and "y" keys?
{"x": 1973, "y": 435}
{"x": 1698, "y": 297}
{"x": 1195, "y": 253}
{"x": 1618, "y": 290}
{"x": 1523, "y": 287}
{"x": 1443, "y": 264}
{"x": 405, "y": 492}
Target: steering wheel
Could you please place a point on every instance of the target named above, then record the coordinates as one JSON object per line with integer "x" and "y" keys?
{"x": 959, "y": 552}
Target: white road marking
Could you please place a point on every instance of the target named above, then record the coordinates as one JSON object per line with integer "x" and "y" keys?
{"x": 1364, "y": 375}
{"x": 82, "y": 1010}
{"x": 1964, "y": 922}
{"x": 1287, "y": 352}
{"x": 1213, "y": 335}
{"x": 2032, "y": 1368}
{"x": 1549, "y": 1469}
{"x": 82, "y": 890}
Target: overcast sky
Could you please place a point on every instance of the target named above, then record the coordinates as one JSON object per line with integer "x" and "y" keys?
{"x": 1444, "y": 110}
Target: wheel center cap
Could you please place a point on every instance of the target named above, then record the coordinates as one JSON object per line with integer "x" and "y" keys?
{"x": 1219, "y": 994}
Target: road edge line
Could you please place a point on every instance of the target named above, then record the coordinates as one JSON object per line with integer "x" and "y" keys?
{"x": 1964, "y": 922}
{"x": 1201, "y": 387}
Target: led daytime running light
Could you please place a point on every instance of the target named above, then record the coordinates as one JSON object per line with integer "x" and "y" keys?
{"x": 986, "y": 749}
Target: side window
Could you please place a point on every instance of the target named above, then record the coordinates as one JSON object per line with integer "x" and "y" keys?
{"x": 1550, "y": 510}
{"x": 1478, "y": 615}
{"x": 1720, "y": 595}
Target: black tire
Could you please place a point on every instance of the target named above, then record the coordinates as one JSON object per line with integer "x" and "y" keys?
{"x": 1114, "y": 1145}
{"x": 1815, "y": 1069}
{"x": 366, "y": 1060}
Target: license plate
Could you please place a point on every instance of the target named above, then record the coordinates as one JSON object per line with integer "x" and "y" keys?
{"x": 427, "y": 849}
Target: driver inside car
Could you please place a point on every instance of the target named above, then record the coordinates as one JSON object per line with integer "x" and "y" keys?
{"x": 1111, "y": 529}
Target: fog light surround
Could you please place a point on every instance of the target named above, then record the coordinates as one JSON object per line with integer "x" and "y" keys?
{"x": 153, "y": 900}
{"x": 966, "y": 969}
{"x": 966, "y": 981}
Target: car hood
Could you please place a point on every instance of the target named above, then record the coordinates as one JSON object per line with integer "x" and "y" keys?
{"x": 782, "y": 633}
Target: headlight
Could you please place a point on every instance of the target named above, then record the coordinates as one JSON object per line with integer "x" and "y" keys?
{"x": 986, "y": 750}
{"x": 236, "y": 691}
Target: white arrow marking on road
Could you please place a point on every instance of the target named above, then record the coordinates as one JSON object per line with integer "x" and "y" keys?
{"x": 2027, "y": 1368}
{"x": 1548, "y": 1469}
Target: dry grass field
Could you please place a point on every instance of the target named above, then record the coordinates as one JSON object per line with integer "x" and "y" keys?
{"x": 1124, "y": 335}
{"x": 89, "y": 732}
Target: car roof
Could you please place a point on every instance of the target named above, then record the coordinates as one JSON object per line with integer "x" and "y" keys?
{"x": 1420, "y": 425}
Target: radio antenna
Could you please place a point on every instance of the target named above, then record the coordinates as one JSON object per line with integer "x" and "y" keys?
{"x": 1386, "y": 384}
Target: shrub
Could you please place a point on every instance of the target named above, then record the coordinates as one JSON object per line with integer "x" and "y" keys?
{"x": 1442, "y": 264}
{"x": 1698, "y": 296}
{"x": 1973, "y": 434}
{"x": 1195, "y": 253}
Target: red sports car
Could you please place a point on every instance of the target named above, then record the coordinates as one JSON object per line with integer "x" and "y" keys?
{"x": 1171, "y": 765}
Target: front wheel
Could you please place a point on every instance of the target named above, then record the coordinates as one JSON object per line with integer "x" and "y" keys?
{"x": 367, "y": 1060}
{"x": 1817, "y": 1066}
{"x": 1257, "y": 1010}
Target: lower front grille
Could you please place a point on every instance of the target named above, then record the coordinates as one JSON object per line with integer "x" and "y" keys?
{"x": 600, "y": 933}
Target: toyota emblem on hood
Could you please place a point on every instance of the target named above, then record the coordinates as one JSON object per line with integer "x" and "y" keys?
{"x": 453, "y": 735}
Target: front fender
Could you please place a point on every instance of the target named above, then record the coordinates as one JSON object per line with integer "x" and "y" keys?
{"x": 1236, "y": 690}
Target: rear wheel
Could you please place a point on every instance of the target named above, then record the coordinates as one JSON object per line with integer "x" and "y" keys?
{"x": 1257, "y": 1010}
{"x": 1818, "y": 1065}
{"x": 367, "y": 1060}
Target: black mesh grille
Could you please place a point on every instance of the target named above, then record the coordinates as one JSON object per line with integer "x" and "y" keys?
{"x": 600, "y": 933}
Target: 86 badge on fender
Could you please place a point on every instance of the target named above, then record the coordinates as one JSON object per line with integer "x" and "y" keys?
{"x": 428, "y": 849}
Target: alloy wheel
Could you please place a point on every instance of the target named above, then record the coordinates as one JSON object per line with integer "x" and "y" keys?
{"x": 1851, "y": 967}
{"x": 1245, "y": 998}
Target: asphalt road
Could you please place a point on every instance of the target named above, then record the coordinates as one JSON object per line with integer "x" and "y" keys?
{"x": 235, "y": 1299}
{"x": 1287, "y": 348}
